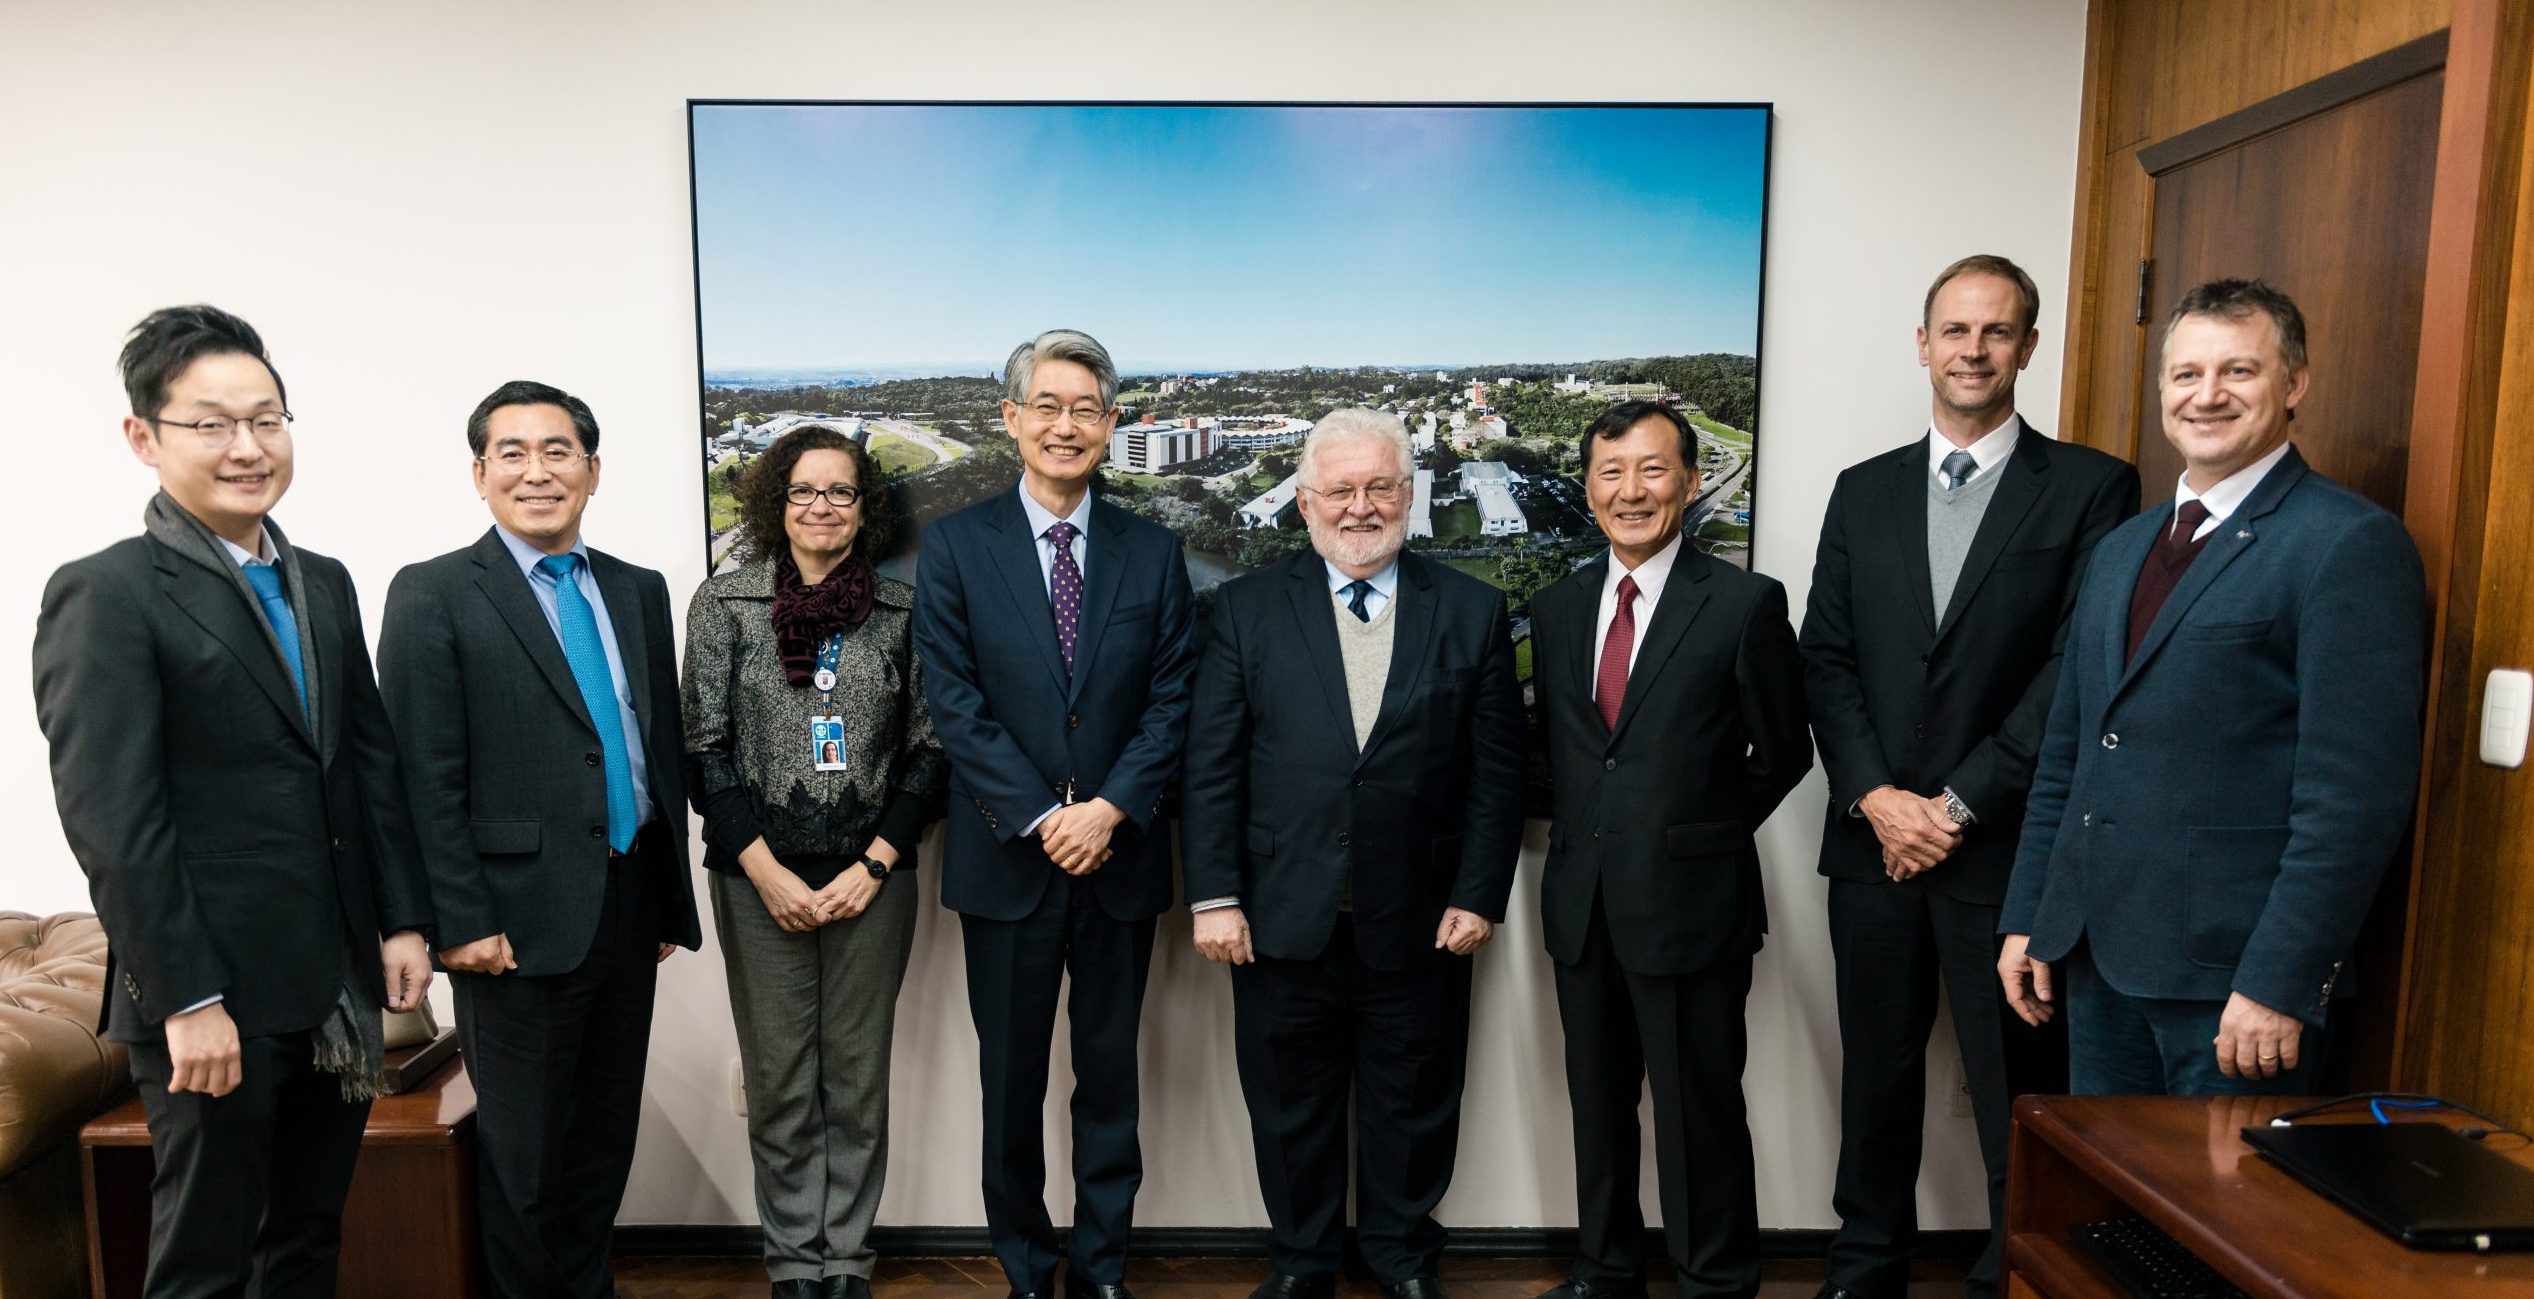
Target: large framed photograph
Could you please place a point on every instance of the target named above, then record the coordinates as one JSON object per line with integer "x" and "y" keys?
{"x": 1495, "y": 275}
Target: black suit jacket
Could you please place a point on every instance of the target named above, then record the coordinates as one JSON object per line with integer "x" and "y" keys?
{"x": 1657, "y": 815}
{"x": 230, "y": 850}
{"x": 1017, "y": 729}
{"x": 508, "y": 786}
{"x": 1905, "y": 698}
{"x": 1281, "y": 807}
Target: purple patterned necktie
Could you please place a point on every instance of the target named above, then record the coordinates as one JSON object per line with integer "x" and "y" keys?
{"x": 1065, "y": 590}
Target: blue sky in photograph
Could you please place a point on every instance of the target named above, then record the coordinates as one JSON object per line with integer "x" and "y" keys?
{"x": 931, "y": 238}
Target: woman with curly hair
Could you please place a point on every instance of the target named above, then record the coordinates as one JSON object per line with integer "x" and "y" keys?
{"x": 815, "y": 766}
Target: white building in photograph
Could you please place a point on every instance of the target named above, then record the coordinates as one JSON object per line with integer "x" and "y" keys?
{"x": 1421, "y": 505}
{"x": 1148, "y": 448}
{"x": 1490, "y": 484}
{"x": 1271, "y": 505}
{"x": 1256, "y": 432}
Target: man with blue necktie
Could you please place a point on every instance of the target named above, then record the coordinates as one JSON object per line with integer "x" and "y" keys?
{"x": 227, "y": 780}
{"x": 533, "y": 682}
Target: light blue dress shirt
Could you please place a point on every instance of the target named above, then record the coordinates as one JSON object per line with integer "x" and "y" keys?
{"x": 1385, "y": 584}
{"x": 1041, "y": 519}
{"x": 541, "y": 584}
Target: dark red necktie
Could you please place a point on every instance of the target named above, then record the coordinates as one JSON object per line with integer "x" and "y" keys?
{"x": 2172, "y": 553}
{"x": 1610, "y": 688}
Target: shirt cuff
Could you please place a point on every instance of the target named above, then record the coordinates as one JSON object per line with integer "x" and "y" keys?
{"x": 1214, "y": 904}
{"x": 1038, "y": 820}
{"x": 212, "y": 1000}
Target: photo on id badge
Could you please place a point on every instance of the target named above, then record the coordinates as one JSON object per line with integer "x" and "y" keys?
{"x": 827, "y": 743}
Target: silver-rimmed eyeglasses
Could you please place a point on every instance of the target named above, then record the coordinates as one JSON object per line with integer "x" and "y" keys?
{"x": 515, "y": 460}
{"x": 1080, "y": 415}
{"x": 218, "y": 431}
{"x": 1380, "y": 491}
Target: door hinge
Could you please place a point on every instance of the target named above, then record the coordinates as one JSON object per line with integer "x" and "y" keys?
{"x": 2144, "y": 266}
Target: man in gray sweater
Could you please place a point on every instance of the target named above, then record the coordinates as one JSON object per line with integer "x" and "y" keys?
{"x": 1355, "y": 774}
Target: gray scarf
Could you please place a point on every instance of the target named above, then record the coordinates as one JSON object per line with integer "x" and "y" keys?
{"x": 350, "y": 1040}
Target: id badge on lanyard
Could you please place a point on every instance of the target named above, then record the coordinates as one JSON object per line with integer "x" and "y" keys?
{"x": 826, "y": 728}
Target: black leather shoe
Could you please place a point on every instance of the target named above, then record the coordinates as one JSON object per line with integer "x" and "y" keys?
{"x": 1094, "y": 1290}
{"x": 1286, "y": 1285}
{"x": 844, "y": 1287}
{"x": 798, "y": 1288}
{"x": 1416, "y": 1287}
{"x": 1577, "y": 1289}
{"x": 1829, "y": 1291}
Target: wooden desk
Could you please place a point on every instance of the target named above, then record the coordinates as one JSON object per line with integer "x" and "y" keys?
{"x": 2180, "y": 1163}
{"x": 408, "y": 1227}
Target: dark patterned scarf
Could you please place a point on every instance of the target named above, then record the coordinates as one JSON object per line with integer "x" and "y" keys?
{"x": 806, "y": 615}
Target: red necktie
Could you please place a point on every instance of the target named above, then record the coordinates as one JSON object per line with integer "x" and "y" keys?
{"x": 1610, "y": 688}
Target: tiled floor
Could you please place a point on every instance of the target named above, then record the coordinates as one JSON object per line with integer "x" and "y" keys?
{"x": 1186, "y": 1278}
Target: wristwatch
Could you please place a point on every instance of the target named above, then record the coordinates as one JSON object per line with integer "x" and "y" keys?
{"x": 878, "y": 868}
{"x": 1955, "y": 809}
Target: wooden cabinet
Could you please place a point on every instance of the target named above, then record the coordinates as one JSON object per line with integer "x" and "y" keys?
{"x": 2181, "y": 1163}
{"x": 408, "y": 1227}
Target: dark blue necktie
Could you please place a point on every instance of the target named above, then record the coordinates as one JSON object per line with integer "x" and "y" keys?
{"x": 1363, "y": 591}
{"x": 588, "y": 656}
{"x": 267, "y": 581}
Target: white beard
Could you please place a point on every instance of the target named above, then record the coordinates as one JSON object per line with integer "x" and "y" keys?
{"x": 1358, "y": 549}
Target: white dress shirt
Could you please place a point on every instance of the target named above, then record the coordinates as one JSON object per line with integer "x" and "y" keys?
{"x": 2228, "y": 494}
{"x": 1988, "y": 453}
{"x": 1650, "y": 576}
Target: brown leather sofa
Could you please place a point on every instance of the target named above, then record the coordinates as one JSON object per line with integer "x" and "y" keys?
{"x": 55, "y": 1074}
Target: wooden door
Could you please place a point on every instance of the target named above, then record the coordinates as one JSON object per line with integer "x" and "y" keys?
{"x": 2332, "y": 209}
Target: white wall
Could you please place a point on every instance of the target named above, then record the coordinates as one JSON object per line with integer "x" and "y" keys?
{"x": 416, "y": 204}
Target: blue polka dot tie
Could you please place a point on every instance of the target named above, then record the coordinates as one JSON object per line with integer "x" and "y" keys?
{"x": 1065, "y": 590}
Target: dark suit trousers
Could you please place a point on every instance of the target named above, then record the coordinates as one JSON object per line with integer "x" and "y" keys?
{"x": 1685, "y": 1035}
{"x": 1311, "y": 1033}
{"x": 1894, "y": 946}
{"x": 248, "y": 1195}
{"x": 2119, "y": 1045}
{"x": 1014, "y": 969}
{"x": 557, "y": 1063}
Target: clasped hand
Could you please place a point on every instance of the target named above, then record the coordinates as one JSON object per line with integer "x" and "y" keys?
{"x": 1915, "y": 832}
{"x": 1076, "y": 835}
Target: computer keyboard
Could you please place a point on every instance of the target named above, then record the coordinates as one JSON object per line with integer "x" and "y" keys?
{"x": 2152, "y": 1264}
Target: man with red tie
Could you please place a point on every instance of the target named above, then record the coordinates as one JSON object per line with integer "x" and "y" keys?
{"x": 1672, "y": 695}
{"x": 2233, "y": 747}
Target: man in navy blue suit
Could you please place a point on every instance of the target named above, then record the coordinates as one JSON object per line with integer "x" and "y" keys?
{"x": 2234, "y": 746}
{"x": 1055, "y": 633}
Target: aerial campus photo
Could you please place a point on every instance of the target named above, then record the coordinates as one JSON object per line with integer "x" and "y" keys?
{"x": 1495, "y": 277}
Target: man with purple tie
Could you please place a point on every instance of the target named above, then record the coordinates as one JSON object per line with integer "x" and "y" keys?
{"x": 1055, "y": 634}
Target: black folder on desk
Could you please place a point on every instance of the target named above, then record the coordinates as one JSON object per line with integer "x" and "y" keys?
{"x": 2423, "y": 1184}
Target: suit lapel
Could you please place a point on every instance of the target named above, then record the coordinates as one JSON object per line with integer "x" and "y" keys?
{"x": 1316, "y": 616}
{"x": 1909, "y": 501}
{"x": 325, "y": 676}
{"x": 507, "y": 588}
{"x": 1683, "y": 593}
{"x": 1411, "y": 627}
{"x": 1100, "y": 583}
{"x": 1585, "y": 590}
{"x": 2025, "y": 474}
{"x": 2236, "y": 535}
{"x": 1015, "y": 552}
{"x": 633, "y": 646}
{"x": 220, "y": 610}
